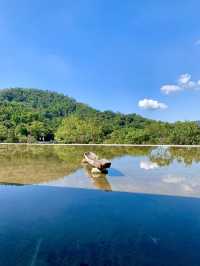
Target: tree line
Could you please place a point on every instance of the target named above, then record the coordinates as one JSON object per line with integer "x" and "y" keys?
{"x": 32, "y": 115}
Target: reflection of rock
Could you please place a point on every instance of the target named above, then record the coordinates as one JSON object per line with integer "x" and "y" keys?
{"x": 99, "y": 179}
{"x": 95, "y": 171}
{"x": 147, "y": 165}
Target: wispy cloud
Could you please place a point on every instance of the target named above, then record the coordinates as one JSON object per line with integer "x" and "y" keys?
{"x": 197, "y": 43}
{"x": 184, "y": 82}
{"x": 168, "y": 89}
{"x": 150, "y": 104}
{"x": 184, "y": 79}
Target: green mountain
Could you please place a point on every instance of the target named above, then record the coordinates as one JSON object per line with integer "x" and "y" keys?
{"x": 31, "y": 115}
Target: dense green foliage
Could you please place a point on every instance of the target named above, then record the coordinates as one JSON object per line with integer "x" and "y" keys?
{"x": 76, "y": 130}
{"x": 31, "y": 115}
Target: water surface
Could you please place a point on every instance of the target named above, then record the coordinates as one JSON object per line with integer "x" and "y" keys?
{"x": 167, "y": 171}
{"x": 65, "y": 226}
{"x": 55, "y": 212}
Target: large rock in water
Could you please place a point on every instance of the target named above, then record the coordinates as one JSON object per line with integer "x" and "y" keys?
{"x": 95, "y": 162}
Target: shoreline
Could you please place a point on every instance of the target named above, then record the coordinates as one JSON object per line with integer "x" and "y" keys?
{"x": 105, "y": 145}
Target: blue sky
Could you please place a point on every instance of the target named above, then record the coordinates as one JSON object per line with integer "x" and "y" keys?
{"x": 128, "y": 56}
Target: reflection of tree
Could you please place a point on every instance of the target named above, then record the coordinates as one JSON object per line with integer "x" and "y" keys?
{"x": 24, "y": 164}
{"x": 99, "y": 179}
{"x": 168, "y": 155}
{"x": 186, "y": 155}
{"x": 27, "y": 164}
{"x": 161, "y": 156}
{"x": 11, "y": 184}
{"x": 108, "y": 152}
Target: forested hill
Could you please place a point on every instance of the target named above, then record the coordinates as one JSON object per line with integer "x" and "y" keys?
{"x": 31, "y": 115}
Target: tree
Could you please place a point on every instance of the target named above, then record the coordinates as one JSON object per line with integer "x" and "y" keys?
{"x": 76, "y": 130}
{"x": 185, "y": 133}
{"x": 21, "y": 133}
{"x": 39, "y": 130}
{"x": 129, "y": 136}
{"x": 3, "y": 132}
{"x": 36, "y": 115}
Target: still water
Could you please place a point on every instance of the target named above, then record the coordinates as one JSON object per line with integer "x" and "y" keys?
{"x": 54, "y": 211}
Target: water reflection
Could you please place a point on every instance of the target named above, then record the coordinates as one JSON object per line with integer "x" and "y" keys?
{"x": 171, "y": 171}
{"x": 99, "y": 180}
{"x": 148, "y": 165}
{"x": 115, "y": 172}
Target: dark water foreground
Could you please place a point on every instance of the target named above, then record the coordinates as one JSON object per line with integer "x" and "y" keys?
{"x": 67, "y": 226}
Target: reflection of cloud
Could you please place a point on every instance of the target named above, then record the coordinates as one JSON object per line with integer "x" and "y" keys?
{"x": 173, "y": 179}
{"x": 187, "y": 188}
{"x": 147, "y": 165}
{"x": 184, "y": 184}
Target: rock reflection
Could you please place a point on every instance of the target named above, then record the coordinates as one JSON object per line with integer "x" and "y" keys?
{"x": 99, "y": 179}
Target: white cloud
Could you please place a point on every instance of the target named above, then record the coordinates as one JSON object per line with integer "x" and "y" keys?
{"x": 147, "y": 165}
{"x": 184, "y": 78}
{"x": 151, "y": 104}
{"x": 184, "y": 82}
{"x": 167, "y": 89}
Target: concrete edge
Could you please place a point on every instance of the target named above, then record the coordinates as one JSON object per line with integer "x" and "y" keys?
{"x": 111, "y": 145}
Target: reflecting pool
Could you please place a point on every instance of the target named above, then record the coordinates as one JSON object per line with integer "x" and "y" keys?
{"x": 56, "y": 212}
{"x": 152, "y": 170}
